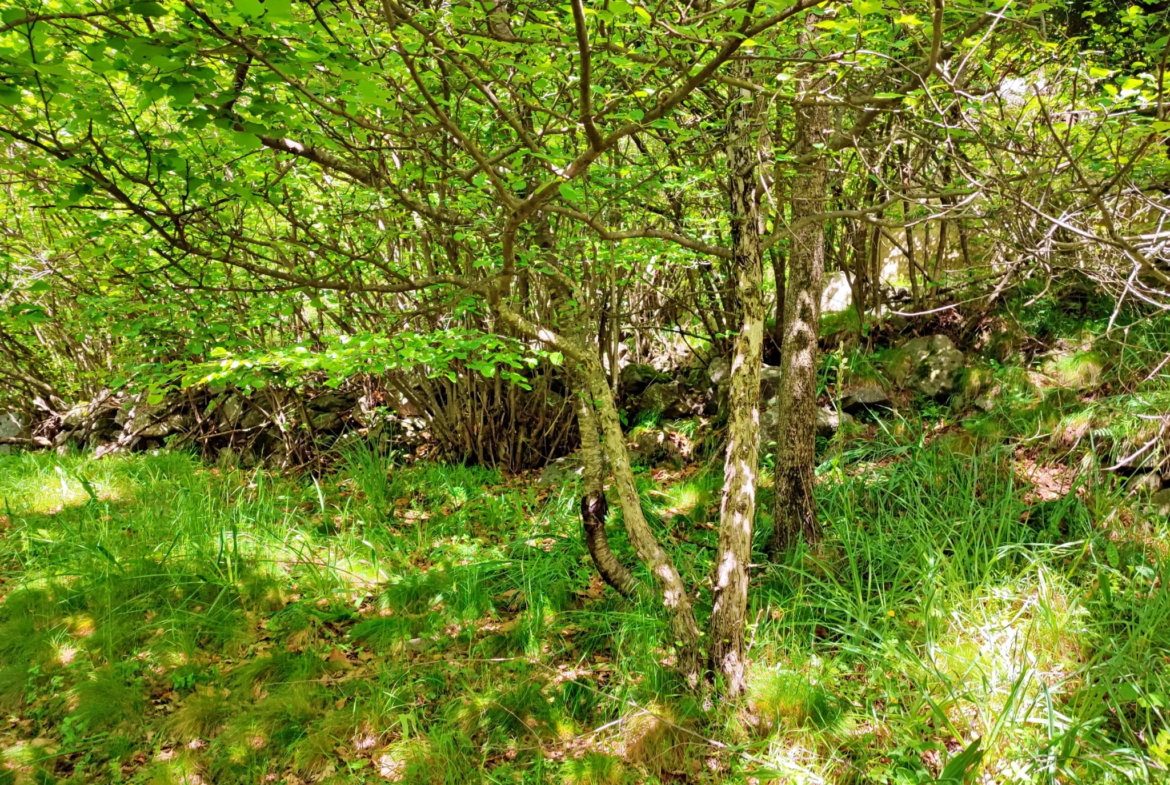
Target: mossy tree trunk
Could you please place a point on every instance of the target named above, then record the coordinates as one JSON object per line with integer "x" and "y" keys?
{"x": 594, "y": 506}
{"x": 795, "y": 509}
{"x": 741, "y": 465}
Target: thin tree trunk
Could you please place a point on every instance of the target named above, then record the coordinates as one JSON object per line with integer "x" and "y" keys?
{"x": 594, "y": 505}
{"x": 741, "y": 467}
{"x": 778, "y": 273}
{"x": 795, "y": 508}
{"x": 657, "y": 560}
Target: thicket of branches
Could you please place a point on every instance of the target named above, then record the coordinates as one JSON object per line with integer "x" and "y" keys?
{"x": 486, "y": 201}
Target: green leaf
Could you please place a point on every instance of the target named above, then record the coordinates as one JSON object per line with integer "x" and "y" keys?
{"x": 961, "y": 768}
{"x": 252, "y": 8}
{"x": 247, "y": 141}
{"x": 148, "y": 8}
{"x": 571, "y": 193}
{"x": 181, "y": 93}
{"x": 866, "y": 7}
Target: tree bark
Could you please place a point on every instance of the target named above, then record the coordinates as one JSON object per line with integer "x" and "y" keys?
{"x": 594, "y": 505}
{"x": 795, "y": 508}
{"x": 741, "y": 466}
{"x": 778, "y": 274}
{"x": 658, "y": 561}
{"x": 673, "y": 590}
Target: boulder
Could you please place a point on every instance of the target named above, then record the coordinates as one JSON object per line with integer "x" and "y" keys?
{"x": 837, "y": 295}
{"x": 254, "y": 418}
{"x": 868, "y": 398}
{"x": 325, "y": 421}
{"x": 665, "y": 398}
{"x": 13, "y": 425}
{"x": 931, "y": 366}
{"x": 719, "y": 371}
{"x": 151, "y": 421}
{"x": 654, "y": 445}
{"x": 1146, "y": 482}
{"x": 769, "y": 382}
{"x": 636, "y": 377}
{"x": 558, "y": 473}
{"x": 1160, "y": 502}
{"x": 148, "y": 425}
{"x": 231, "y": 410}
{"x": 76, "y": 416}
{"x": 332, "y": 402}
{"x": 829, "y": 421}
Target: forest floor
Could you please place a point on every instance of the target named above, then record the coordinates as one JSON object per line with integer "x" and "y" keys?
{"x": 980, "y": 592}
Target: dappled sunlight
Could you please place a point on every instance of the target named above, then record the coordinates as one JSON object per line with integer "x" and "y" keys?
{"x": 270, "y": 642}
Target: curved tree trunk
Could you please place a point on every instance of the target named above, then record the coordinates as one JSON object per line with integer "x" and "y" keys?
{"x": 795, "y": 509}
{"x": 594, "y": 505}
{"x": 741, "y": 466}
{"x": 657, "y": 560}
{"x": 673, "y": 590}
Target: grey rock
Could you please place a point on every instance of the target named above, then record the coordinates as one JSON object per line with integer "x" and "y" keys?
{"x": 332, "y": 402}
{"x": 654, "y": 445}
{"x": 719, "y": 371}
{"x": 769, "y": 382}
{"x": 838, "y": 294}
{"x": 930, "y": 365}
{"x": 325, "y": 421}
{"x": 253, "y": 419}
{"x": 867, "y": 398}
{"x": 146, "y": 426}
{"x": 559, "y": 472}
{"x": 151, "y": 421}
{"x": 1160, "y": 502}
{"x": 829, "y": 421}
{"x": 13, "y": 425}
{"x": 76, "y": 416}
{"x": 126, "y": 410}
{"x": 1146, "y": 482}
{"x": 231, "y": 410}
{"x": 636, "y": 377}
{"x": 665, "y": 398}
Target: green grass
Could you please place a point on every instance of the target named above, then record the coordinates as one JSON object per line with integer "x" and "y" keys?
{"x": 439, "y": 624}
{"x": 164, "y": 621}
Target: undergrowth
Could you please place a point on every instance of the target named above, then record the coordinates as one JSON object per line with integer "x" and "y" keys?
{"x": 163, "y": 621}
{"x": 186, "y": 622}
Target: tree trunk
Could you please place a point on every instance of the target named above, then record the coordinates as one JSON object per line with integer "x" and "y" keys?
{"x": 795, "y": 509}
{"x": 674, "y": 594}
{"x": 741, "y": 467}
{"x": 778, "y": 273}
{"x": 658, "y": 561}
{"x": 594, "y": 505}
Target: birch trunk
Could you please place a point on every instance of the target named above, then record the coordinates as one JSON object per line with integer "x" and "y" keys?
{"x": 741, "y": 466}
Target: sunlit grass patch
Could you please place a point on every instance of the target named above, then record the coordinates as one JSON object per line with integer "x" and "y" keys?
{"x": 946, "y": 603}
